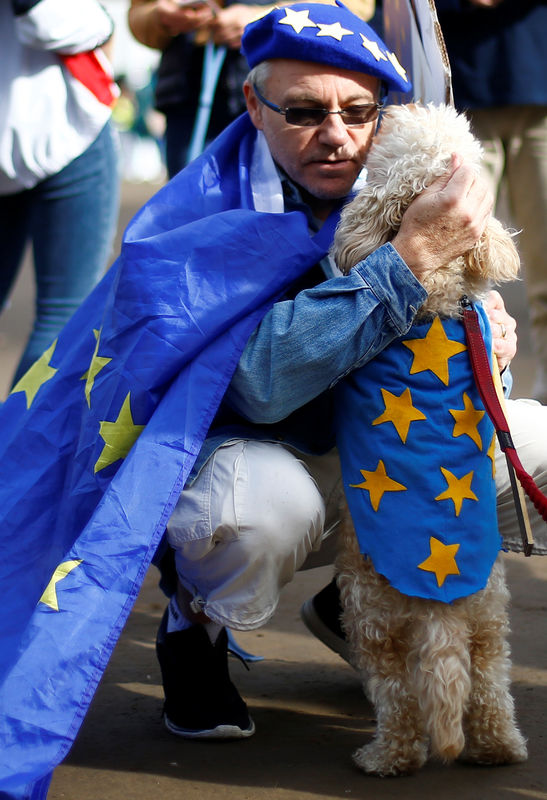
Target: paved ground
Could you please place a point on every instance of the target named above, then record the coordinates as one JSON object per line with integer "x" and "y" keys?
{"x": 307, "y": 704}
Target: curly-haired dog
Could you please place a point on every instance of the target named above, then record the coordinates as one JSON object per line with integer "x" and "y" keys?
{"x": 422, "y": 584}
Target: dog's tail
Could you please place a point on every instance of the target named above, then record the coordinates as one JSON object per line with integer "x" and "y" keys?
{"x": 442, "y": 681}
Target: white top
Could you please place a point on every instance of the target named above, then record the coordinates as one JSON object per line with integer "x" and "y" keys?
{"x": 48, "y": 116}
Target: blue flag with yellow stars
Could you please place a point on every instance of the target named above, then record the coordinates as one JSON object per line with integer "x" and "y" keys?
{"x": 98, "y": 438}
{"x": 417, "y": 453}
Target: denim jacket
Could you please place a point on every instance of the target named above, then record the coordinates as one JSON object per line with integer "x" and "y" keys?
{"x": 281, "y": 389}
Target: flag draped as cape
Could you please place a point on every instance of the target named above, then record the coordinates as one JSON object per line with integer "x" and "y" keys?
{"x": 98, "y": 438}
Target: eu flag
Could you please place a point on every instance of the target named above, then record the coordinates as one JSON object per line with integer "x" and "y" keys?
{"x": 98, "y": 438}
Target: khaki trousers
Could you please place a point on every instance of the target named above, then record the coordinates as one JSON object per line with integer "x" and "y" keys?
{"x": 515, "y": 147}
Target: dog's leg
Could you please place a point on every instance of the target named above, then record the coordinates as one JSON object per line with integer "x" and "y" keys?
{"x": 491, "y": 731}
{"x": 400, "y": 745}
{"x": 441, "y": 665}
{"x": 375, "y": 623}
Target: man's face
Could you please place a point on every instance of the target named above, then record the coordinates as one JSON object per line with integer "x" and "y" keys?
{"x": 324, "y": 160}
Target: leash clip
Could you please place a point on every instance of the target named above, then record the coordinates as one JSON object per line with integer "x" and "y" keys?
{"x": 465, "y": 303}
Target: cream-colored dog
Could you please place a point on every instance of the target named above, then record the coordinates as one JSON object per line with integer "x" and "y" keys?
{"x": 438, "y": 673}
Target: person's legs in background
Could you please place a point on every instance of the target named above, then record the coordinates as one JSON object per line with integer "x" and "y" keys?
{"x": 71, "y": 220}
{"x": 515, "y": 148}
{"x": 527, "y": 183}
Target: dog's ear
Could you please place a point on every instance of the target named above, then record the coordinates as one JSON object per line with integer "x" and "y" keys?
{"x": 494, "y": 258}
{"x": 361, "y": 230}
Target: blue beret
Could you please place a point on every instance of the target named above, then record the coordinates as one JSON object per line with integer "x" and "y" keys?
{"x": 328, "y": 34}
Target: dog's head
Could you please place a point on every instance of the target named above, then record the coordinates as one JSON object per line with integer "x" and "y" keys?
{"x": 413, "y": 147}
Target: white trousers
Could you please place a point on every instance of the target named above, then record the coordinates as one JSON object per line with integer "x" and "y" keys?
{"x": 258, "y": 512}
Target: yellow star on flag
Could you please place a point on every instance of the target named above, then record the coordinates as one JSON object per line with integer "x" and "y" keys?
{"x": 334, "y": 29}
{"x": 373, "y": 48}
{"x": 466, "y": 421}
{"x": 400, "y": 411}
{"x": 433, "y": 351}
{"x": 97, "y": 364}
{"x": 49, "y": 597}
{"x": 376, "y": 483}
{"x": 119, "y": 436}
{"x": 297, "y": 20}
{"x": 442, "y": 560}
{"x": 36, "y": 376}
{"x": 397, "y": 66}
{"x": 458, "y": 489}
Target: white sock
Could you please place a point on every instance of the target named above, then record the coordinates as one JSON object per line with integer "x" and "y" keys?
{"x": 176, "y": 621}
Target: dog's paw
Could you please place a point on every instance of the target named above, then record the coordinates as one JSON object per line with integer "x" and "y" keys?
{"x": 379, "y": 758}
{"x": 500, "y": 750}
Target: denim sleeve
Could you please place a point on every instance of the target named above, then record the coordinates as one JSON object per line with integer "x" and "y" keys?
{"x": 303, "y": 346}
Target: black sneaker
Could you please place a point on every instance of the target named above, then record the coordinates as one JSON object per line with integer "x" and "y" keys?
{"x": 321, "y": 616}
{"x": 201, "y": 702}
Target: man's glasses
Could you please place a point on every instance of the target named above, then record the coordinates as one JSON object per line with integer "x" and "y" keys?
{"x": 311, "y": 117}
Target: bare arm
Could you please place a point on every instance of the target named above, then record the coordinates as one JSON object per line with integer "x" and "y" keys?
{"x": 155, "y": 22}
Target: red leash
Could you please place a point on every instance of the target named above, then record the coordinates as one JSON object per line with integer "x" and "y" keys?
{"x": 487, "y": 391}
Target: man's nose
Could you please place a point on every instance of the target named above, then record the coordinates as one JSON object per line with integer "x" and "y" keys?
{"x": 333, "y": 131}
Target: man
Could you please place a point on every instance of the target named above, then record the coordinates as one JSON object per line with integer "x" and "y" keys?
{"x": 262, "y": 499}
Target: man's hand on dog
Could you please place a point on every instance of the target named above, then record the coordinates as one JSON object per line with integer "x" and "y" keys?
{"x": 445, "y": 220}
{"x": 504, "y": 337}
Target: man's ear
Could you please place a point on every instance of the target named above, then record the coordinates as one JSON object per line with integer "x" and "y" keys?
{"x": 254, "y": 107}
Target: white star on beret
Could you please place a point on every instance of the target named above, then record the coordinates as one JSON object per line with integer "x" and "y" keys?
{"x": 334, "y": 29}
{"x": 373, "y": 48}
{"x": 297, "y": 20}
{"x": 396, "y": 66}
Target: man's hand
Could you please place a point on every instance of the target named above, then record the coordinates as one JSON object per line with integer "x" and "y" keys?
{"x": 504, "y": 337}
{"x": 445, "y": 220}
{"x": 174, "y": 18}
{"x": 230, "y": 22}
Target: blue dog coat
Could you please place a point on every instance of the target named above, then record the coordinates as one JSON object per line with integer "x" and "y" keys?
{"x": 417, "y": 455}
